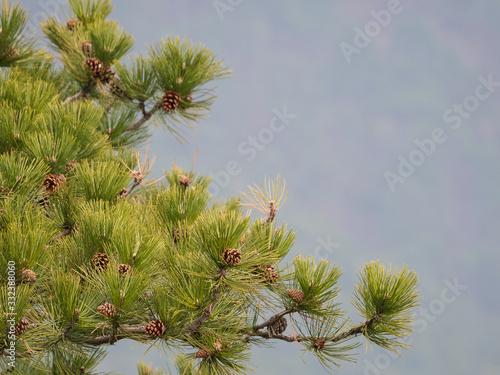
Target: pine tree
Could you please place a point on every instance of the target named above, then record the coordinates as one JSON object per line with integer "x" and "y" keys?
{"x": 91, "y": 252}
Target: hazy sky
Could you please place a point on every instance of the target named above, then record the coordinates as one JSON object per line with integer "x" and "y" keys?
{"x": 383, "y": 119}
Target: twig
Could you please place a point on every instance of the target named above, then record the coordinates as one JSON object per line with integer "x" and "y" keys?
{"x": 274, "y": 318}
{"x": 83, "y": 91}
{"x": 208, "y": 311}
{"x": 145, "y": 117}
{"x": 354, "y": 331}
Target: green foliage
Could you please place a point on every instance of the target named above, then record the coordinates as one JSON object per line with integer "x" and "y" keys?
{"x": 387, "y": 296}
{"x": 97, "y": 253}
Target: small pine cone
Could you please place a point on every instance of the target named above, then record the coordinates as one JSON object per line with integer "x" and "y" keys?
{"x": 180, "y": 234}
{"x": 156, "y": 328}
{"x": 9, "y": 52}
{"x": 28, "y": 275}
{"x": 72, "y": 24}
{"x": 100, "y": 261}
{"x": 319, "y": 343}
{"x": 123, "y": 191}
{"x": 53, "y": 182}
{"x": 185, "y": 181}
{"x": 270, "y": 274}
{"x": 21, "y": 326}
{"x": 87, "y": 48}
{"x": 279, "y": 326}
{"x": 296, "y": 295}
{"x": 69, "y": 167}
{"x": 107, "y": 309}
{"x": 95, "y": 66}
{"x": 232, "y": 257}
{"x": 106, "y": 75}
{"x": 123, "y": 269}
{"x": 116, "y": 88}
{"x": 202, "y": 353}
{"x": 170, "y": 101}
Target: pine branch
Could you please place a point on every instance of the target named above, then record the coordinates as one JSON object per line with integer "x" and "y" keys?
{"x": 83, "y": 91}
{"x": 208, "y": 311}
{"x": 274, "y": 318}
{"x": 146, "y": 115}
{"x": 355, "y": 330}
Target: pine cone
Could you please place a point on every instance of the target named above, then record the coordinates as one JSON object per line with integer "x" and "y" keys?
{"x": 69, "y": 167}
{"x": 202, "y": 353}
{"x": 296, "y": 295}
{"x": 185, "y": 181}
{"x": 232, "y": 257}
{"x": 270, "y": 274}
{"x": 95, "y": 66}
{"x": 28, "y": 275}
{"x": 123, "y": 192}
{"x": 100, "y": 261}
{"x": 123, "y": 269}
{"x": 9, "y": 52}
{"x": 319, "y": 343}
{"x": 116, "y": 88}
{"x": 107, "y": 309}
{"x": 53, "y": 182}
{"x": 72, "y": 24}
{"x": 170, "y": 101}
{"x": 180, "y": 234}
{"x": 279, "y": 326}
{"x": 21, "y": 326}
{"x": 87, "y": 48}
{"x": 156, "y": 328}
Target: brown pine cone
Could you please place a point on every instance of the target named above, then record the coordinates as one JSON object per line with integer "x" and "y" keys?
{"x": 170, "y": 101}
{"x": 270, "y": 274}
{"x": 72, "y": 24}
{"x": 232, "y": 257}
{"x": 21, "y": 326}
{"x": 87, "y": 48}
{"x": 107, "y": 309}
{"x": 28, "y": 275}
{"x": 100, "y": 261}
{"x": 319, "y": 343}
{"x": 53, "y": 182}
{"x": 296, "y": 295}
{"x": 123, "y": 269}
{"x": 279, "y": 326}
{"x": 202, "y": 353}
{"x": 156, "y": 328}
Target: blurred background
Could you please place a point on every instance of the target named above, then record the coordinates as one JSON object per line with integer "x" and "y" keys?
{"x": 382, "y": 117}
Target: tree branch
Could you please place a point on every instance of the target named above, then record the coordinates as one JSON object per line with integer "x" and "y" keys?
{"x": 83, "y": 91}
{"x": 145, "y": 116}
{"x": 274, "y": 318}
{"x": 208, "y": 311}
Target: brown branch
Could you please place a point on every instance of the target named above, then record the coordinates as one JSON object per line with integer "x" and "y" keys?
{"x": 274, "y": 318}
{"x": 208, "y": 311}
{"x": 145, "y": 116}
{"x": 62, "y": 234}
{"x": 287, "y": 338}
{"x": 354, "y": 331}
{"x": 83, "y": 91}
